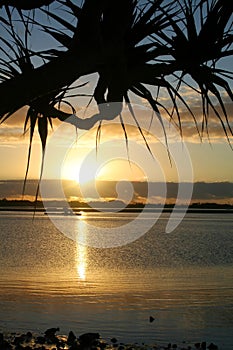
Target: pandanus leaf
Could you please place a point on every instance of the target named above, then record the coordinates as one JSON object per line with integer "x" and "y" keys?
{"x": 137, "y": 123}
{"x": 62, "y": 38}
{"x": 3, "y": 20}
{"x": 98, "y": 136}
{"x": 32, "y": 117}
{"x": 189, "y": 37}
{"x": 191, "y": 26}
{"x": 126, "y": 136}
{"x": 75, "y": 9}
{"x": 43, "y": 132}
{"x": 60, "y": 20}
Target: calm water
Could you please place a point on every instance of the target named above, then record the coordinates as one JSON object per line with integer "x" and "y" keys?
{"x": 183, "y": 279}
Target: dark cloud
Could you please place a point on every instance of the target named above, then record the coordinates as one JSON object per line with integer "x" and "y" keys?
{"x": 213, "y": 129}
{"x": 202, "y": 191}
{"x": 18, "y": 118}
{"x": 12, "y": 128}
{"x": 11, "y": 134}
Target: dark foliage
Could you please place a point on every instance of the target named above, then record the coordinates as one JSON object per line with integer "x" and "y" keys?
{"x": 132, "y": 45}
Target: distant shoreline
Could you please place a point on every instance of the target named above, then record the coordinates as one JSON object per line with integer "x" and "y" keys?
{"x": 75, "y": 207}
{"x": 59, "y": 211}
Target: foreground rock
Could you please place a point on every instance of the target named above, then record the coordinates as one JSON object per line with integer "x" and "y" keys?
{"x": 49, "y": 340}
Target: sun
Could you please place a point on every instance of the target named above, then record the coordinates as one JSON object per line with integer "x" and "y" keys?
{"x": 81, "y": 169}
{"x": 88, "y": 171}
{"x": 88, "y": 168}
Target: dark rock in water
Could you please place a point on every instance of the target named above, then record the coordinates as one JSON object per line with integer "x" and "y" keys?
{"x": 50, "y": 336}
{"x": 19, "y": 347}
{"x": 50, "y": 332}
{"x": 203, "y": 345}
{"x": 60, "y": 344}
{"x": 71, "y": 338}
{"x": 88, "y": 338}
{"x": 74, "y": 346}
{"x": 54, "y": 341}
{"x": 114, "y": 340}
{"x": 102, "y": 344}
{"x": 40, "y": 340}
{"x": 29, "y": 335}
{"x": 86, "y": 341}
{"x": 19, "y": 340}
{"x": 151, "y": 319}
{"x": 6, "y": 345}
{"x": 1, "y": 338}
{"x": 121, "y": 347}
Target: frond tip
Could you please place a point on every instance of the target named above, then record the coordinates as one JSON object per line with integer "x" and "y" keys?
{"x": 158, "y": 48}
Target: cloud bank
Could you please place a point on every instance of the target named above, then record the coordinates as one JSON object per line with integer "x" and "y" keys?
{"x": 218, "y": 192}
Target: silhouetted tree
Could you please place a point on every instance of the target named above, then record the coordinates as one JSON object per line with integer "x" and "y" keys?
{"x": 131, "y": 44}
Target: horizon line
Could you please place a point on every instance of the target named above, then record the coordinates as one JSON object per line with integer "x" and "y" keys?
{"x": 140, "y": 181}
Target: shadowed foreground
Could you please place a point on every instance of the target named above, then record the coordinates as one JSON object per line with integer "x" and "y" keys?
{"x": 49, "y": 340}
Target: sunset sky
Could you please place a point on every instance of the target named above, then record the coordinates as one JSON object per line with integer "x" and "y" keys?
{"x": 211, "y": 159}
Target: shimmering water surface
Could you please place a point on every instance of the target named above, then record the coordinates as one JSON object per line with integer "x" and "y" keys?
{"x": 183, "y": 279}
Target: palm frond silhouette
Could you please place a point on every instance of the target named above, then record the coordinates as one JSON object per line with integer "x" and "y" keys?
{"x": 133, "y": 46}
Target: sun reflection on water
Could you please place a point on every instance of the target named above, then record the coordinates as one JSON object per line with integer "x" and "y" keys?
{"x": 81, "y": 257}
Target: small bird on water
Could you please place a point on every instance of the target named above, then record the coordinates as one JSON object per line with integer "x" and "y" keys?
{"x": 151, "y": 319}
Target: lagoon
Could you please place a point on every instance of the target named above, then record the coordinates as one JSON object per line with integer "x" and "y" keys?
{"x": 183, "y": 279}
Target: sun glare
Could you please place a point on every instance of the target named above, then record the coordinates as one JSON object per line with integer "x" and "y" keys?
{"x": 88, "y": 172}
{"x": 121, "y": 169}
{"x": 84, "y": 172}
{"x": 81, "y": 260}
{"x": 80, "y": 169}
